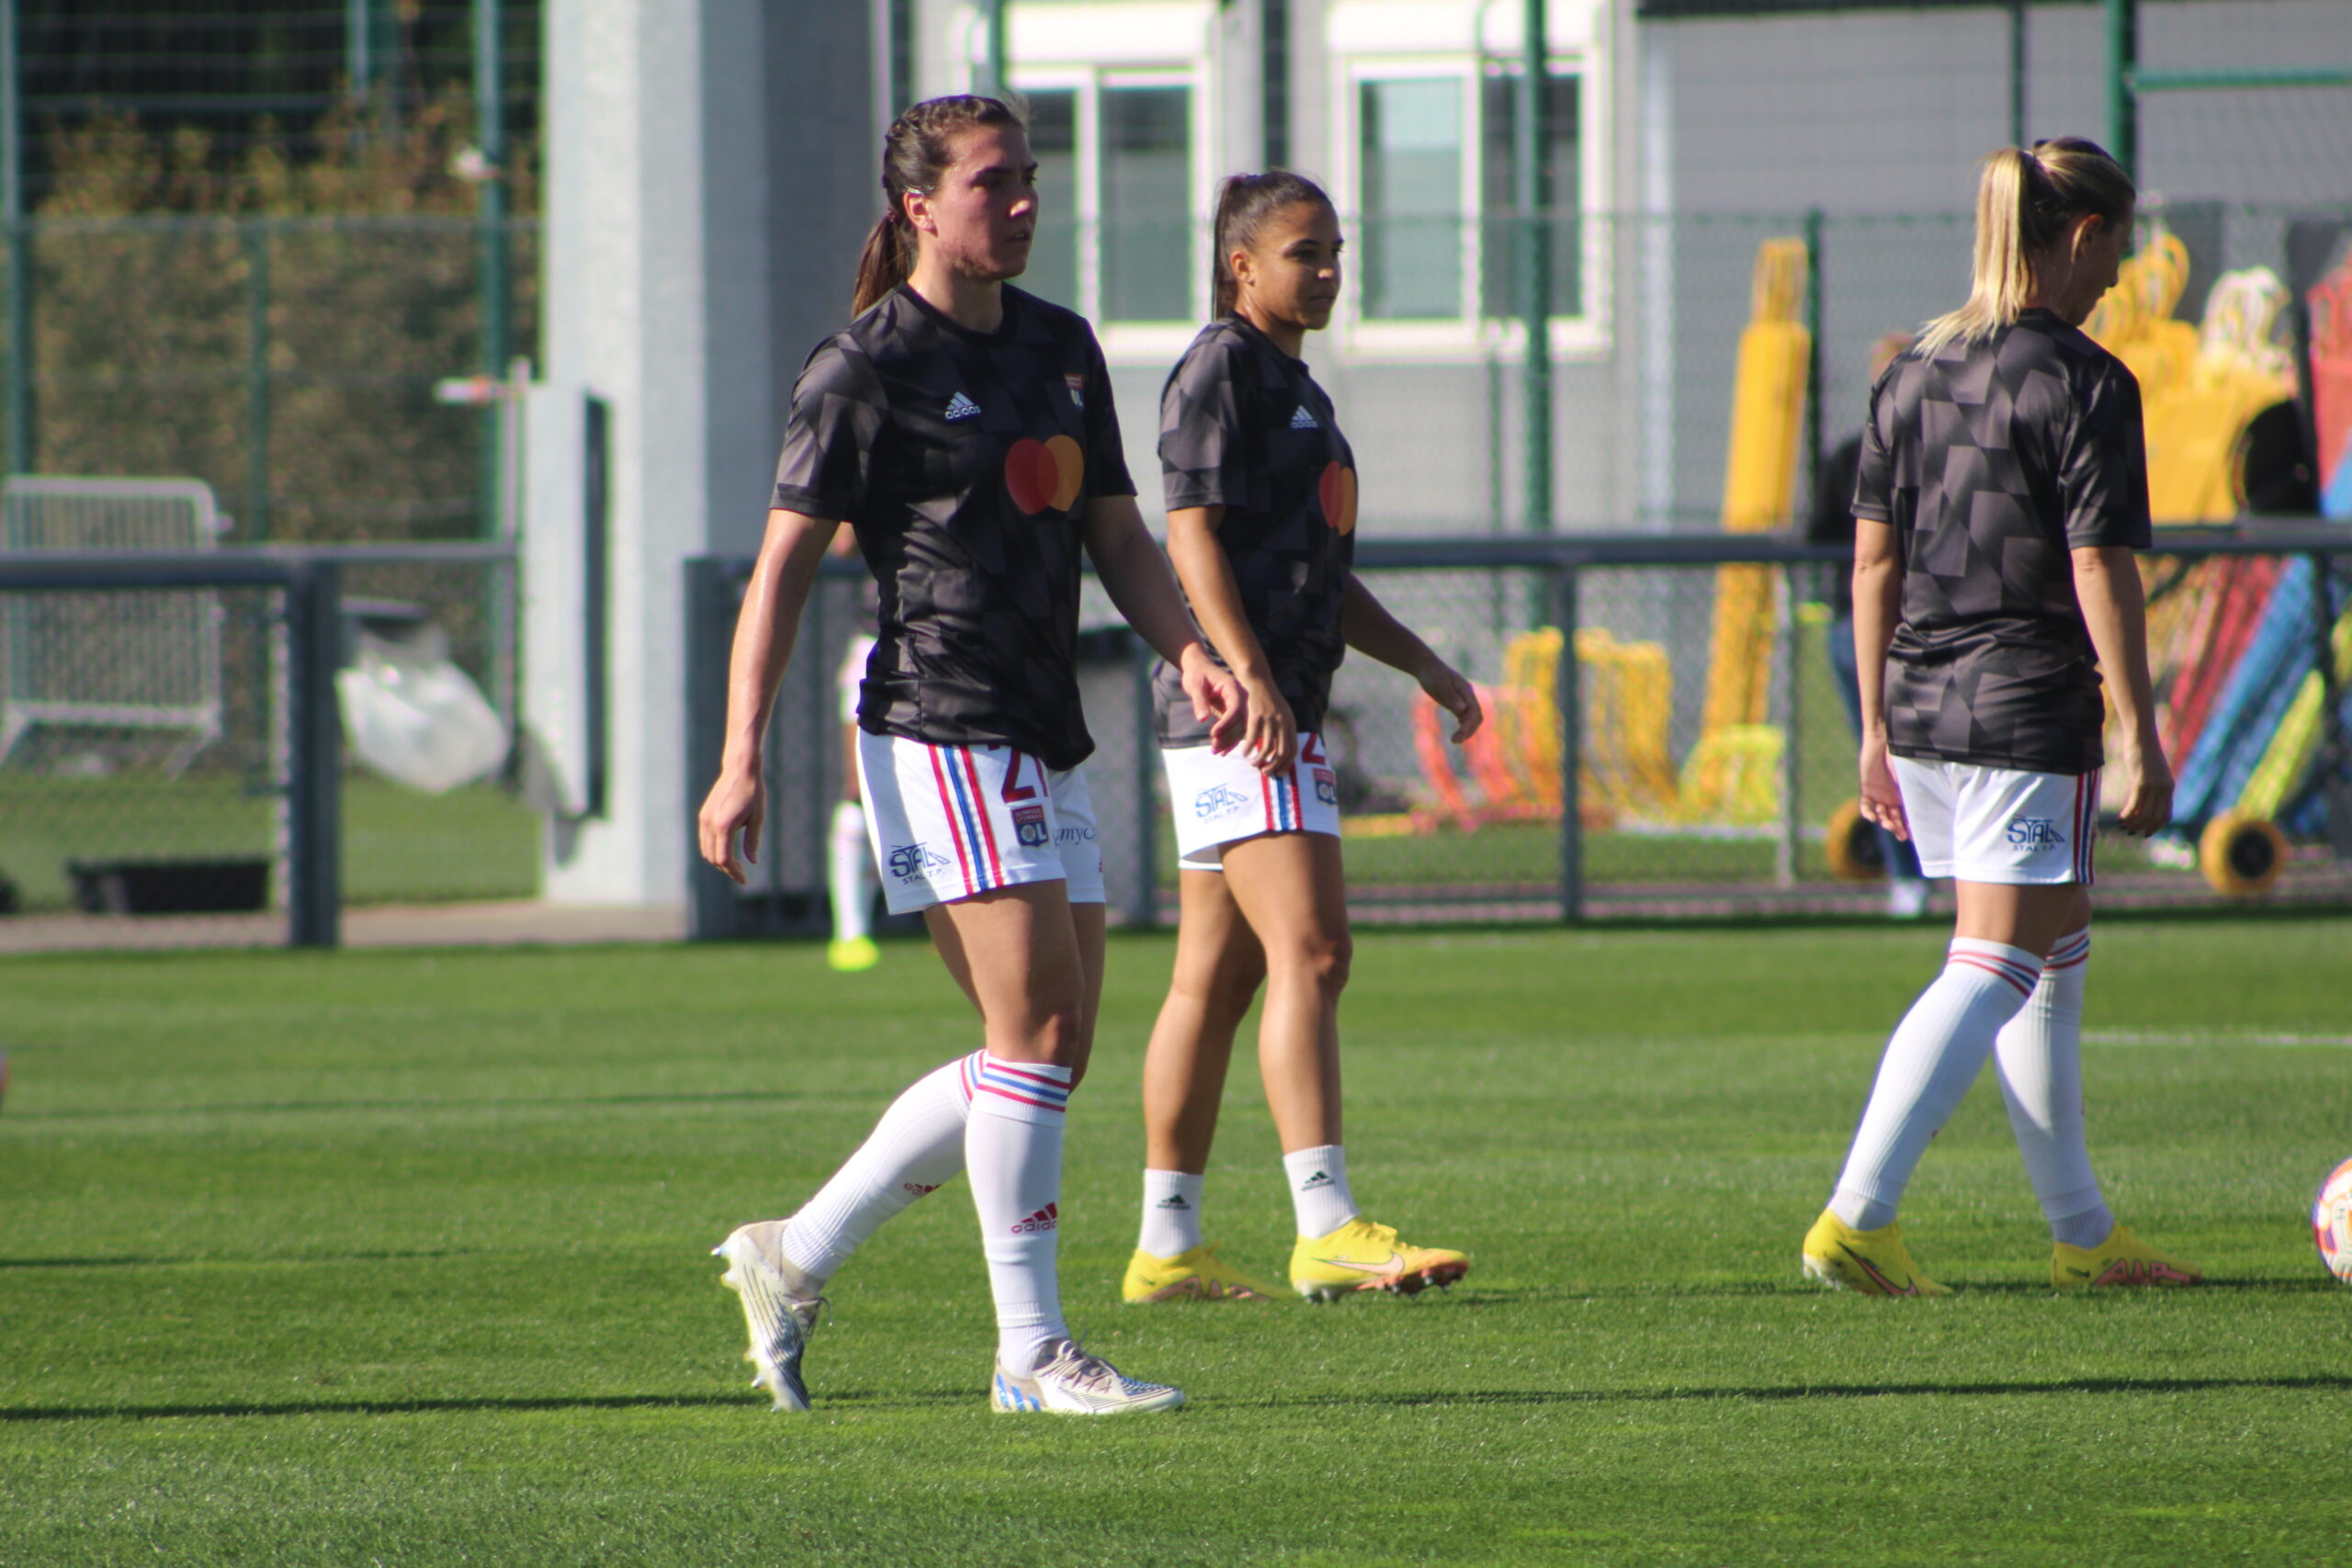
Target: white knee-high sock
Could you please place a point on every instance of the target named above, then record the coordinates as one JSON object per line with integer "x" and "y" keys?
{"x": 1171, "y": 1212}
{"x": 1936, "y": 1054}
{"x": 1320, "y": 1199}
{"x": 2039, "y": 1057}
{"x": 917, "y": 1145}
{"x": 1013, "y": 1147}
{"x": 849, "y": 869}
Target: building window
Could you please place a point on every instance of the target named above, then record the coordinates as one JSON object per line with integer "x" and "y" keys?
{"x": 1052, "y": 248}
{"x": 1146, "y": 203}
{"x": 1499, "y": 259}
{"x": 1411, "y": 199}
{"x": 1437, "y": 220}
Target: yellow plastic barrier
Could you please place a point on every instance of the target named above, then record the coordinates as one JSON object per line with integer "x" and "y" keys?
{"x": 1760, "y": 492}
{"x": 2199, "y": 390}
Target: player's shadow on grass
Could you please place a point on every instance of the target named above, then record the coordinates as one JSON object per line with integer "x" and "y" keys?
{"x": 485, "y": 1405}
{"x": 2327, "y": 1382}
{"x": 501, "y": 1102}
{"x": 1208, "y": 1405}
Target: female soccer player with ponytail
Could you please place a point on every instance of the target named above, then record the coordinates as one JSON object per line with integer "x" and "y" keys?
{"x": 1261, "y": 494}
{"x": 2003, "y": 489}
{"x": 965, "y": 430}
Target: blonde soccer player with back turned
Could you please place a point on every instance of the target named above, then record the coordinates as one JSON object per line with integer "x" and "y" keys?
{"x": 2003, "y": 488}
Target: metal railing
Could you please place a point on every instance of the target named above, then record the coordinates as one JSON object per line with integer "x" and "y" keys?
{"x": 291, "y": 617}
{"x": 1665, "y": 737}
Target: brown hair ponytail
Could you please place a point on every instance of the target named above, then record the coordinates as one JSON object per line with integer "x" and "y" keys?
{"x": 2026, "y": 200}
{"x": 1244, "y": 202}
{"x": 915, "y": 152}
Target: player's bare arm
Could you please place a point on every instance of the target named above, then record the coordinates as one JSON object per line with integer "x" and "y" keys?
{"x": 1878, "y": 602}
{"x": 2114, "y": 606}
{"x": 1270, "y": 739}
{"x": 1370, "y": 630}
{"x": 1136, "y": 576}
{"x": 778, "y": 593}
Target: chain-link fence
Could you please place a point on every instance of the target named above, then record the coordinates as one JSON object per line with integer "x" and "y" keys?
{"x": 288, "y": 362}
{"x": 219, "y": 747}
{"x": 1709, "y": 766}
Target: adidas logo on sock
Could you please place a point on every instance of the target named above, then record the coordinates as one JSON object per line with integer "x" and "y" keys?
{"x": 1314, "y": 1181}
{"x": 1302, "y": 420}
{"x": 961, "y": 407}
{"x": 1044, "y": 1219}
{"x": 1173, "y": 1200}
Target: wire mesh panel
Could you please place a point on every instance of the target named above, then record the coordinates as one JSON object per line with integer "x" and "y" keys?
{"x": 103, "y": 661}
{"x": 114, "y": 834}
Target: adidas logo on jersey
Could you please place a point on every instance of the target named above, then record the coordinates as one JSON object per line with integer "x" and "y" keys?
{"x": 1302, "y": 420}
{"x": 961, "y": 407}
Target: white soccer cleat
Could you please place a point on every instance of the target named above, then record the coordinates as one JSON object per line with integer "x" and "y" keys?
{"x": 1072, "y": 1383}
{"x": 780, "y": 1306}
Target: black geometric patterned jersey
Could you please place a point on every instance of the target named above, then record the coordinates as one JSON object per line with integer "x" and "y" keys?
{"x": 1242, "y": 425}
{"x": 1992, "y": 461}
{"x": 965, "y": 461}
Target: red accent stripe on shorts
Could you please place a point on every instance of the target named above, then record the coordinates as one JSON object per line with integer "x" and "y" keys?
{"x": 980, "y": 810}
{"x": 947, "y": 806}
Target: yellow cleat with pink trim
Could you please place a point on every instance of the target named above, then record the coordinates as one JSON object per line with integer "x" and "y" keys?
{"x": 1360, "y": 1256}
{"x": 1873, "y": 1263}
{"x": 2122, "y": 1259}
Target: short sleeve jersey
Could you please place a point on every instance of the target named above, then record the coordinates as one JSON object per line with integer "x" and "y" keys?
{"x": 1242, "y": 425}
{"x": 965, "y": 461}
{"x": 1992, "y": 461}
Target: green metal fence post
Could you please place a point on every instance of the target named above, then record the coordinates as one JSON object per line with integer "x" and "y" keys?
{"x": 1567, "y": 687}
{"x": 1532, "y": 175}
{"x": 2122, "y": 86}
{"x": 314, "y": 741}
{"x": 2017, "y": 73}
{"x": 495, "y": 259}
{"x": 254, "y": 232}
{"x": 19, "y": 267}
{"x": 1813, "y": 313}
{"x": 994, "y": 69}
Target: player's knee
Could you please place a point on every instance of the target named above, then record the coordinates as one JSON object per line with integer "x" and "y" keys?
{"x": 1322, "y": 958}
{"x": 1057, "y": 1035}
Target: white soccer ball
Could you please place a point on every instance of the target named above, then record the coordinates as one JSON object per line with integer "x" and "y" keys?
{"x": 2331, "y": 1221}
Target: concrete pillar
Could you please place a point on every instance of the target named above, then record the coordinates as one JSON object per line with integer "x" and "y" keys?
{"x": 692, "y": 146}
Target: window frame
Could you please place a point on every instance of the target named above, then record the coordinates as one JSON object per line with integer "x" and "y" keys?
{"x": 1471, "y": 335}
{"x": 1131, "y": 341}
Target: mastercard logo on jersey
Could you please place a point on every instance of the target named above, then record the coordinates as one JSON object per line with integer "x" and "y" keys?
{"x": 1043, "y": 474}
{"x": 1337, "y": 490}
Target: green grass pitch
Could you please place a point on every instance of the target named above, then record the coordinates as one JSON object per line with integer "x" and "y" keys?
{"x": 401, "y": 1259}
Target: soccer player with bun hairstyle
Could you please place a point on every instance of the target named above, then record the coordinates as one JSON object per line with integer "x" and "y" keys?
{"x": 965, "y": 430}
{"x": 2003, "y": 488}
{"x": 1261, "y": 512}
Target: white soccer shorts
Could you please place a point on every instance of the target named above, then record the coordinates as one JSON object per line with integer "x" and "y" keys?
{"x": 948, "y": 822}
{"x": 1983, "y": 824}
{"x": 1222, "y": 800}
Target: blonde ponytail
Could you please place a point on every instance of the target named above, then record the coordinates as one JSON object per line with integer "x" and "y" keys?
{"x": 2026, "y": 200}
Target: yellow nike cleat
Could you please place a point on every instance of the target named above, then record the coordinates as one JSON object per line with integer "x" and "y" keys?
{"x": 1199, "y": 1275}
{"x": 1360, "y": 1256}
{"x": 2122, "y": 1259}
{"x": 1875, "y": 1263}
{"x": 848, "y": 957}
